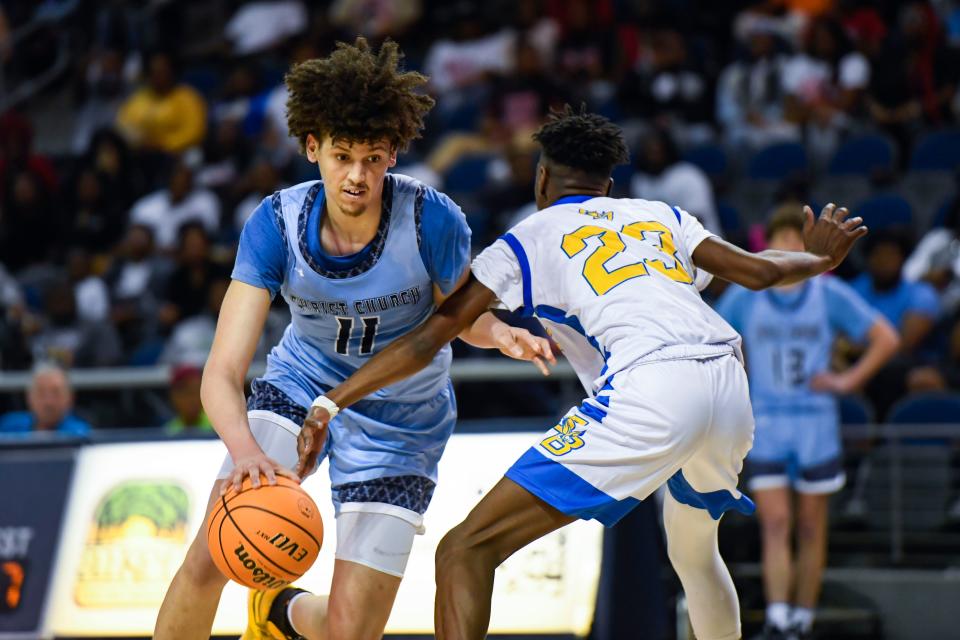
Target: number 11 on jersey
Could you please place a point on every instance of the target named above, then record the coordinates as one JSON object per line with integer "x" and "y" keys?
{"x": 370, "y": 324}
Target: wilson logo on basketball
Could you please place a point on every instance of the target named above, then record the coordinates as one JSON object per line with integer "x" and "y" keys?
{"x": 258, "y": 575}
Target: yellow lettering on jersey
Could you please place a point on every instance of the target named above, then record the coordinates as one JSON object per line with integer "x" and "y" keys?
{"x": 597, "y": 215}
{"x": 664, "y": 243}
{"x": 567, "y": 437}
{"x": 595, "y": 271}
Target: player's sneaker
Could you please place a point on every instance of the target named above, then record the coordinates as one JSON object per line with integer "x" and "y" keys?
{"x": 260, "y": 624}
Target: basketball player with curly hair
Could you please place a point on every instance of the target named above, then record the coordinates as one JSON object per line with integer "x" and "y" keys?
{"x": 362, "y": 257}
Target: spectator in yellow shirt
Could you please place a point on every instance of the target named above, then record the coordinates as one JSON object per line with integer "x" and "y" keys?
{"x": 163, "y": 115}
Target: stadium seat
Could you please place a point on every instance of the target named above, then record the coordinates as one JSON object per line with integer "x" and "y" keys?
{"x": 711, "y": 158}
{"x": 927, "y": 408}
{"x": 885, "y": 210}
{"x": 464, "y": 117}
{"x": 856, "y": 410}
{"x": 468, "y": 174}
{"x": 622, "y": 175}
{"x": 940, "y": 216}
{"x": 861, "y": 156}
{"x": 729, "y": 217}
{"x": 778, "y": 161}
{"x": 937, "y": 151}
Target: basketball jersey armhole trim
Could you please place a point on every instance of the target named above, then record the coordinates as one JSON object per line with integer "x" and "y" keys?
{"x": 525, "y": 274}
{"x": 676, "y": 212}
{"x": 376, "y": 245}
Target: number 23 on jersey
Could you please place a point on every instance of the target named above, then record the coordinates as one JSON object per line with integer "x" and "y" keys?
{"x": 595, "y": 271}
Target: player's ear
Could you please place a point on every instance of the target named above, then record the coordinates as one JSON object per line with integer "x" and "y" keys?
{"x": 609, "y": 187}
{"x": 312, "y": 148}
{"x": 392, "y": 161}
{"x": 543, "y": 176}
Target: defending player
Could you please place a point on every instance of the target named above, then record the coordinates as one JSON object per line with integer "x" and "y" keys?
{"x": 668, "y": 400}
{"x": 788, "y": 335}
{"x": 361, "y": 258}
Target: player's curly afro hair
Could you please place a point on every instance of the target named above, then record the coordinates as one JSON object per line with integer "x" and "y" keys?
{"x": 583, "y": 141}
{"x": 358, "y": 95}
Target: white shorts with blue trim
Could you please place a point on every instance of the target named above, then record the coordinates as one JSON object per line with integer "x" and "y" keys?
{"x": 688, "y": 422}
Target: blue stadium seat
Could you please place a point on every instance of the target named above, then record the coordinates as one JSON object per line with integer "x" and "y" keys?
{"x": 940, "y": 215}
{"x": 469, "y": 173}
{"x": 937, "y": 151}
{"x": 885, "y": 210}
{"x": 862, "y": 155}
{"x": 729, "y": 217}
{"x": 856, "y": 410}
{"x": 927, "y": 408}
{"x": 711, "y": 158}
{"x": 464, "y": 117}
{"x": 778, "y": 161}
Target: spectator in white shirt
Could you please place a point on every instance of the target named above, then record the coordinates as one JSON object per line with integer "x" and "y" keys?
{"x": 166, "y": 210}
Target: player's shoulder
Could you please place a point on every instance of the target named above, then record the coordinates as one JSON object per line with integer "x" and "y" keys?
{"x": 296, "y": 194}
{"x": 431, "y": 198}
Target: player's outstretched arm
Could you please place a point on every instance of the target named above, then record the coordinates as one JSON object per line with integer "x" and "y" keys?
{"x": 401, "y": 359}
{"x": 827, "y": 239}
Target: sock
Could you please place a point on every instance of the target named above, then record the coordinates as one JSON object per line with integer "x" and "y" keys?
{"x": 289, "y": 609}
{"x": 278, "y": 611}
{"x": 778, "y": 615}
{"x": 802, "y": 618}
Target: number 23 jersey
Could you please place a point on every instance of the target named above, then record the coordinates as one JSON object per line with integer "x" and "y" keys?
{"x": 613, "y": 281}
{"x": 346, "y": 309}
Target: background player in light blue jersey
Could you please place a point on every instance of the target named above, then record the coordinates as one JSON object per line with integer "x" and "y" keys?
{"x": 788, "y": 336}
{"x": 361, "y": 257}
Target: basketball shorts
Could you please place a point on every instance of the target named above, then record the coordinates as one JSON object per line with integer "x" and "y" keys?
{"x": 684, "y": 423}
{"x": 377, "y": 518}
{"x": 797, "y": 448}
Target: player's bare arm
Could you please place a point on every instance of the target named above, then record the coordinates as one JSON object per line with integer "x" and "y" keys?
{"x": 489, "y": 332}
{"x": 241, "y": 321}
{"x": 401, "y": 359}
{"x": 827, "y": 238}
{"x": 883, "y": 341}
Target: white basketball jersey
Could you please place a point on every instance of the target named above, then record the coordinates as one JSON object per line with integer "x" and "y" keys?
{"x": 613, "y": 281}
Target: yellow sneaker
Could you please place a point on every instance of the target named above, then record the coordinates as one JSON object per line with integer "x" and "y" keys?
{"x": 259, "y": 627}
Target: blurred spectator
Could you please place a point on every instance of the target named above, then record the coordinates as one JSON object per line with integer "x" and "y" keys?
{"x": 13, "y": 352}
{"x": 465, "y": 54}
{"x": 50, "y": 406}
{"x": 117, "y": 170}
{"x": 510, "y": 198}
{"x": 912, "y": 307}
{"x": 135, "y": 280}
{"x": 534, "y": 26}
{"x": 17, "y": 155}
{"x": 750, "y": 94}
{"x": 225, "y": 156}
{"x": 375, "y": 19}
{"x": 6, "y": 40}
{"x": 166, "y": 210}
{"x": 260, "y": 181}
{"x": 263, "y": 24}
{"x": 189, "y": 415}
{"x": 192, "y": 337}
{"x": 664, "y": 176}
{"x": 772, "y": 16}
{"x": 670, "y": 88}
{"x": 93, "y": 299}
{"x": 586, "y": 54}
{"x": 65, "y": 338}
{"x": 96, "y": 217}
{"x": 936, "y": 259}
{"x": 163, "y": 115}
{"x": 188, "y": 289}
{"x": 107, "y": 80}
{"x": 825, "y": 84}
{"x": 30, "y": 222}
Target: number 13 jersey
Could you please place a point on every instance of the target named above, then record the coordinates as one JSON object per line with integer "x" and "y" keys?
{"x": 346, "y": 309}
{"x": 612, "y": 280}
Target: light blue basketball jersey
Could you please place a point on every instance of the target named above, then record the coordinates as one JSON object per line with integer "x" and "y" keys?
{"x": 788, "y": 337}
{"x": 346, "y": 309}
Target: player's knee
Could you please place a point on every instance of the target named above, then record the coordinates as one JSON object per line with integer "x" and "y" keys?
{"x": 810, "y": 530}
{"x": 776, "y": 525}
{"x": 459, "y": 548}
{"x": 199, "y": 569}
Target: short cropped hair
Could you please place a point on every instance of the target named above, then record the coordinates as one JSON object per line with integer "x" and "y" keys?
{"x": 583, "y": 141}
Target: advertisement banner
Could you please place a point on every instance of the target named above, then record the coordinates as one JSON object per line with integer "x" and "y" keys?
{"x": 135, "y": 508}
{"x": 35, "y": 484}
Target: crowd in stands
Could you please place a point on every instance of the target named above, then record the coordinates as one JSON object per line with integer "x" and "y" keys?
{"x": 116, "y": 249}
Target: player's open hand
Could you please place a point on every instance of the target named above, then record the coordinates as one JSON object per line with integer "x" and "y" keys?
{"x": 832, "y": 233}
{"x": 521, "y": 344}
{"x": 254, "y": 466}
{"x": 310, "y": 442}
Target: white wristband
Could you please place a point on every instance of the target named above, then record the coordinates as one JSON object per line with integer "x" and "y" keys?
{"x": 326, "y": 403}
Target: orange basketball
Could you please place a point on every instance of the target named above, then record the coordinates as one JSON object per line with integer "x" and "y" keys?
{"x": 265, "y": 538}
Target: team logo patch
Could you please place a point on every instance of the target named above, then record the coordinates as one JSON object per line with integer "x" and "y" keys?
{"x": 568, "y": 436}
